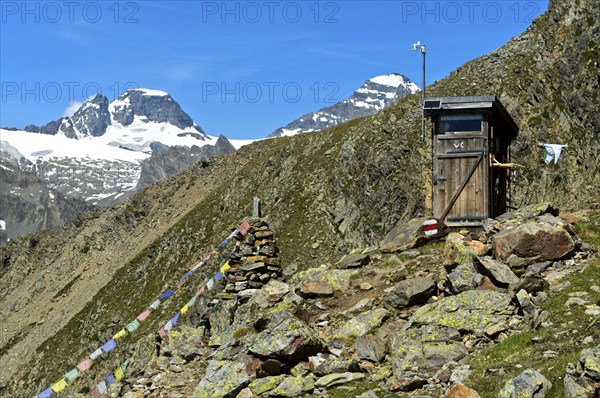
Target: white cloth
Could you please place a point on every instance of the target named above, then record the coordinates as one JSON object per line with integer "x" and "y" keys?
{"x": 553, "y": 152}
{"x": 154, "y": 306}
{"x": 96, "y": 353}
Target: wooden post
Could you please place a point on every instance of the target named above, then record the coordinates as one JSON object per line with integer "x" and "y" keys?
{"x": 256, "y": 208}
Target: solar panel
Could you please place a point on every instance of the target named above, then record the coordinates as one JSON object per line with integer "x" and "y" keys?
{"x": 432, "y": 104}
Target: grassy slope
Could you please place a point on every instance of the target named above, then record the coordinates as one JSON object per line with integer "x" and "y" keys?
{"x": 570, "y": 325}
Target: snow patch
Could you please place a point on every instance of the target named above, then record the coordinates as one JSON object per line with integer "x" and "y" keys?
{"x": 153, "y": 93}
{"x": 2, "y": 225}
{"x": 392, "y": 80}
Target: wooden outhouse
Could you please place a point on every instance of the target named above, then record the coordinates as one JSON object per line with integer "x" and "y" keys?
{"x": 471, "y": 139}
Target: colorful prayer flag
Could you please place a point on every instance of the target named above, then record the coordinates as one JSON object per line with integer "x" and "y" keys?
{"x": 192, "y": 301}
{"x": 95, "y": 392}
{"x": 109, "y": 345}
{"x": 225, "y": 267}
{"x": 72, "y": 375}
{"x": 133, "y": 326}
{"x": 154, "y": 306}
{"x": 210, "y": 284}
{"x": 143, "y": 316}
{"x": 175, "y": 319}
{"x": 47, "y": 393}
{"x": 162, "y": 333}
{"x": 218, "y": 276}
{"x": 168, "y": 326}
{"x": 59, "y": 386}
{"x": 110, "y": 379}
{"x": 96, "y": 354}
{"x": 183, "y": 309}
{"x": 120, "y": 334}
{"x": 244, "y": 228}
{"x": 119, "y": 374}
{"x": 85, "y": 365}
{"x": 102, "y": 389}
{"x": 166, "y": 294}
{"x": 200, "y": 264}
{"x": 186, "y": 275}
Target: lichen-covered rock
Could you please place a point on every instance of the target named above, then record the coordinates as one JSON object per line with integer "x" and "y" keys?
{"x": 461, "y": 250}
{"x": 590, "y": 362}
{"x": 533, "y": 241}
{"x": 371, "y": 348}
{"x": 472, "y": 312}
{"x": 573, "y": 389}
{"x": 285, "y": 337}
{"x": 265, "y": 384}
{"x": 529, "y": 384}
{"x": 362, "y": 323}
{"x": 223, "y": 379}
{"x": 323, "y": 364}
{"x": 527, "y": 213}
{"x": 411, "y": 292}
{"x": 274, "y": 290}
{"x": 186, "y": 342}
{"x": 336, "y": 279}
{"x": 337, "y": 379}
{"x": 462, "y": 278}
{"x": 293, "y": 387}
{"x": 426, "y": 348}
{"x": 221, "y": 318}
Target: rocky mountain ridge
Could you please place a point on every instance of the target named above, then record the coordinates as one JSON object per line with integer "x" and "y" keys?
{"x": 374, "y": 95}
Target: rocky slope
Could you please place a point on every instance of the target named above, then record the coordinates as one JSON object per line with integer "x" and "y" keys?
{"x": 377, "y": 93}
{"x": 326, "y": 193}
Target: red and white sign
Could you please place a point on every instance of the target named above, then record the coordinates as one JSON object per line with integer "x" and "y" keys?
{"x": 430, "y": 227}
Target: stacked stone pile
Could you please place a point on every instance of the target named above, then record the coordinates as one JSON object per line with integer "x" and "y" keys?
{"x": 254, "y": 261}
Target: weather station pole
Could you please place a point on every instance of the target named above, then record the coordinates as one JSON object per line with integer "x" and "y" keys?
{"x": 421, "y": 47}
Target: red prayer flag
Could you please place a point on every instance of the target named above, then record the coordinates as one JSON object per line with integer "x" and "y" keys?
{"x": 85, "y": 365}
{"x": 143, "y": 316}
{"x": 244, "y": 228}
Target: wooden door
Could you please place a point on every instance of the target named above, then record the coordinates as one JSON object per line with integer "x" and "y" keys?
{"x": 460, "y": 180}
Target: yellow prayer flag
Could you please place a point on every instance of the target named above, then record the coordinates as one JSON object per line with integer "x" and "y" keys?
{"x": 225, "y": 267}
{"x": 184, "y": 309}
{"x": 119, "y": 374}
{"x": 59, "y": 385}
{"x": 120, "y": 333}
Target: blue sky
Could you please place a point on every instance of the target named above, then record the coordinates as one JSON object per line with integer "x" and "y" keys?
{"x": 238, "y": 68}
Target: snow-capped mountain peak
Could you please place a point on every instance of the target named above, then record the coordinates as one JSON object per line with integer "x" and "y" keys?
{"x": 374, "y": 95}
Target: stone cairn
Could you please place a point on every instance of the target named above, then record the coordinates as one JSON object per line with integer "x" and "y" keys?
{"x": 254, "y": 260}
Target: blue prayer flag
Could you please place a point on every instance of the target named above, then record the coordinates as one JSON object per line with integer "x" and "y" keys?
{"x": 166, "y": 294}
{"x": 187, "y": 275}
{"x": 218, "y": 276}
{"x": 175, "y": 319}
{"x": 110, "y": 379}
{"x": 47, "y": 393}
{"x": 109, "y": 345}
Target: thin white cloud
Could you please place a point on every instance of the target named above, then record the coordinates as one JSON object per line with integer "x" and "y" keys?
{"x": 72, "y": 108}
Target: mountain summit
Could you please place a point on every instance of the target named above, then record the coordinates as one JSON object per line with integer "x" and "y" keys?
{"x": 377, "y": 93}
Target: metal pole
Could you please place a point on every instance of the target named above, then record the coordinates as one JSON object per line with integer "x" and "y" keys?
{"x": 423, "y": 98}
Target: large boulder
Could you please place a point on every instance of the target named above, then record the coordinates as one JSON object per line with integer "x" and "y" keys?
{"x": 411, "y": 292}
{"x": 424, "y": 349}
{"x": 283, "y": 336}
{"x": 371, "y": 348}
{"x": 533, "y": 242}
{"x": 223, "y": 379}
{"x": 472, "y": 312}
{"x": 529, "y": 384}
{"x": 221, "y": 319}
{"x": 362, "y": 324}
{"x": 499, "y": 273}
{"x": 590, "y": 362}
{"x": 406, "y": 235}
{"x": 323, "y": 278}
